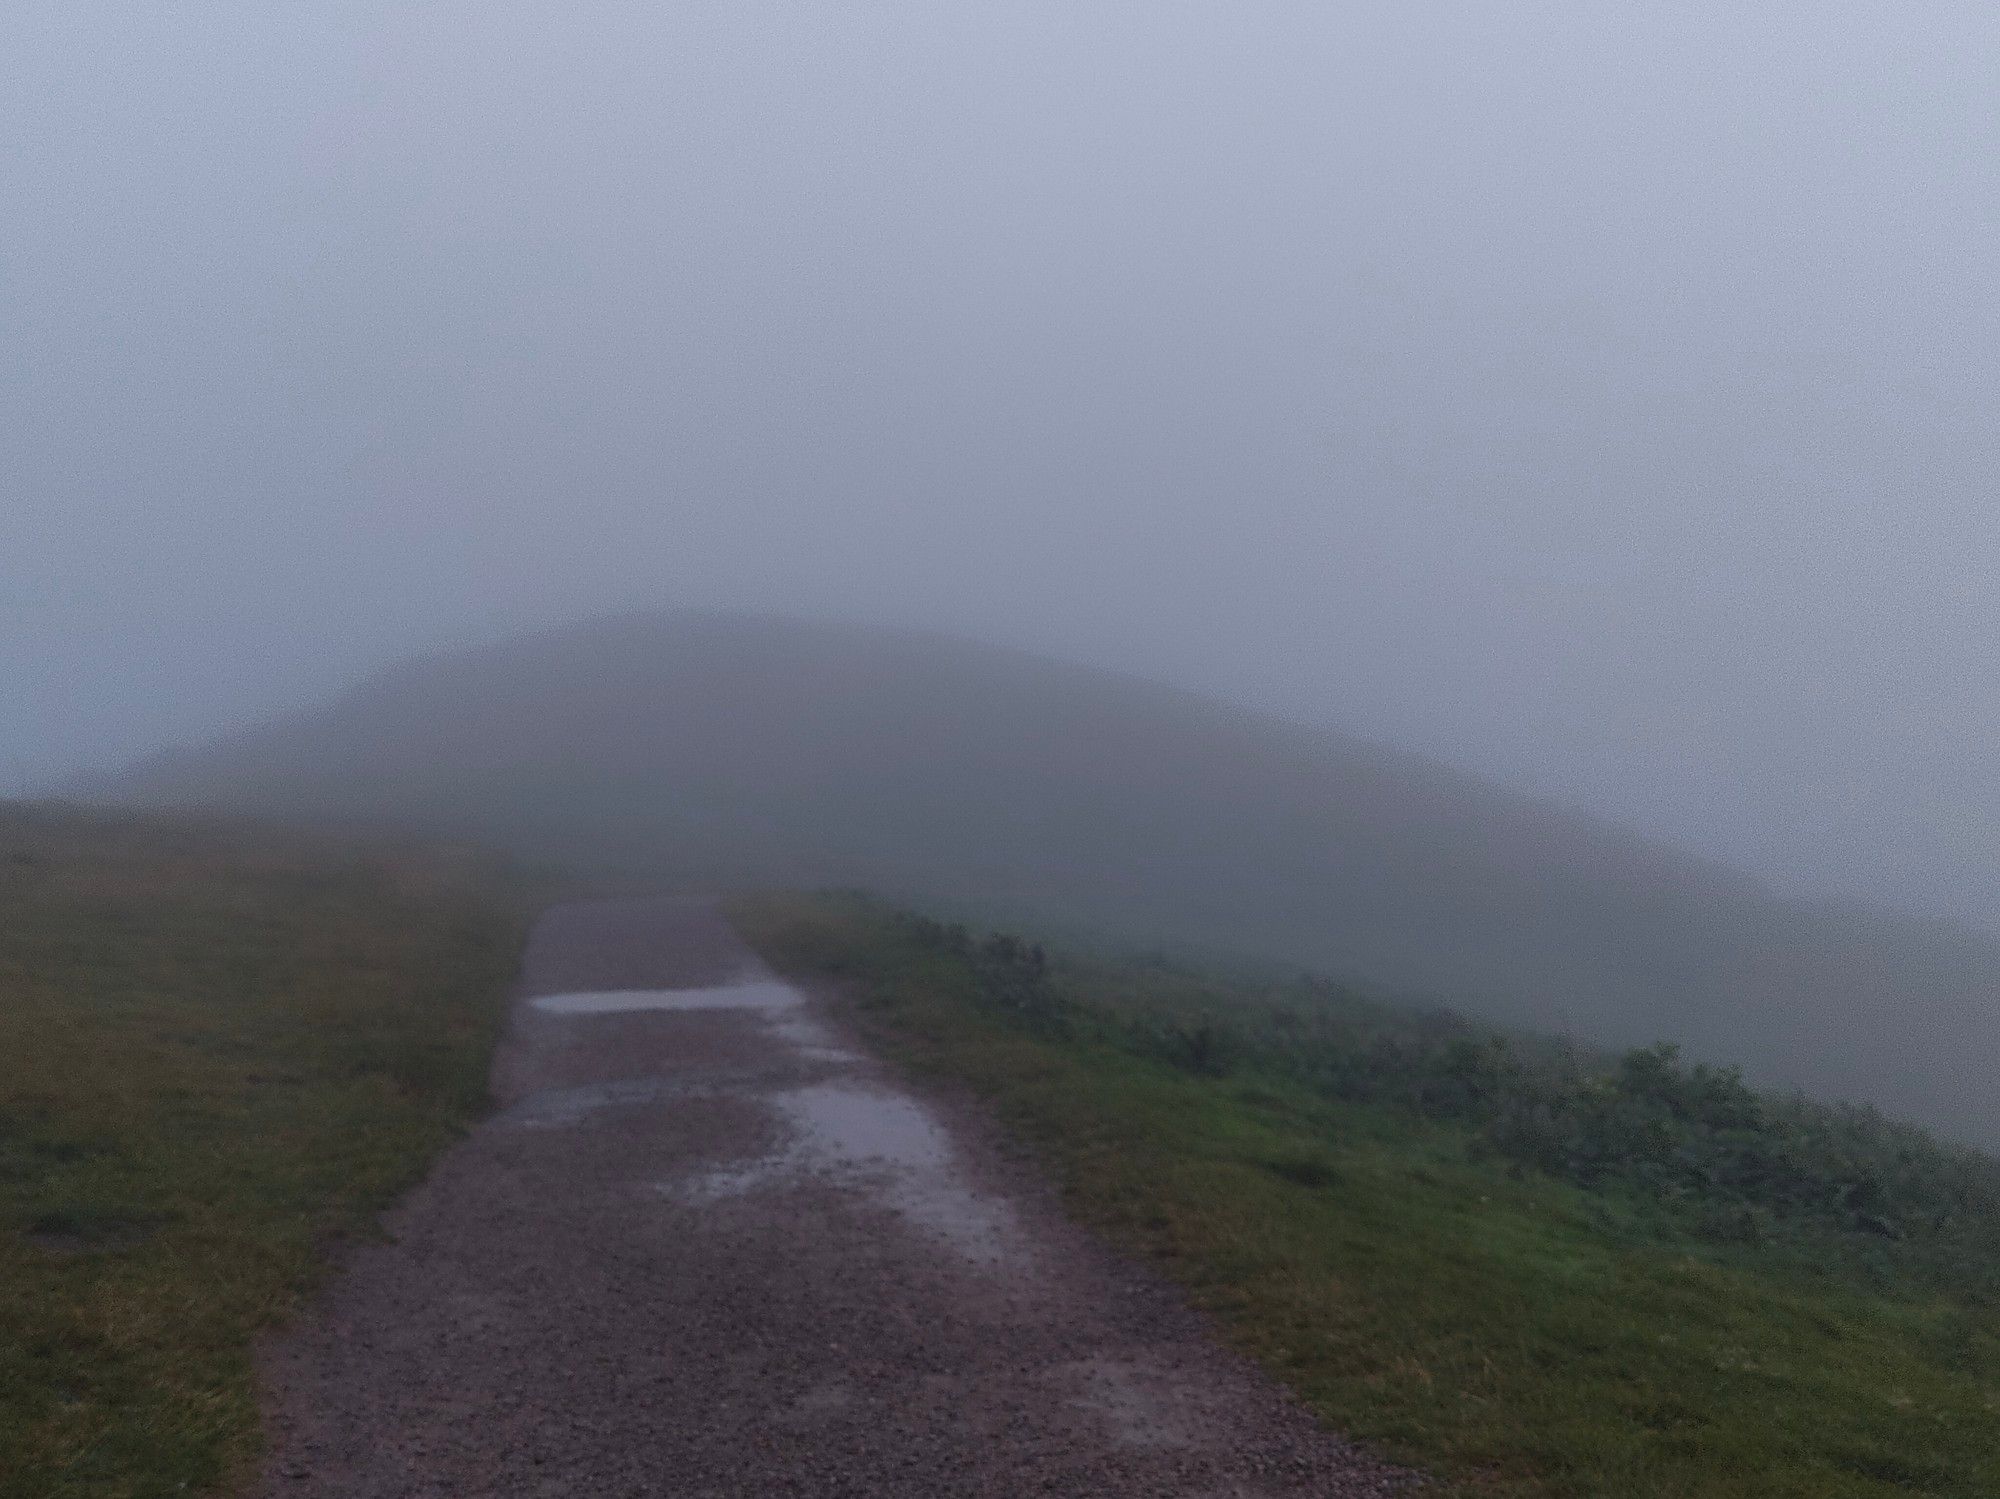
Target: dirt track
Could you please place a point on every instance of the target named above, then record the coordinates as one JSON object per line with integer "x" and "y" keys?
{"x": 708, "y": 1248}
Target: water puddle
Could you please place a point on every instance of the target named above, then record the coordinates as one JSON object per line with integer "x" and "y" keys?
{"x": 880, "y": 1141}
{"x": 748, "y": 993}
{"x": 781, "y": 1006}
{"x": 886, "y": 1143}
{"x": 555, "y": 1108}
{"x": 811, "y": 1039}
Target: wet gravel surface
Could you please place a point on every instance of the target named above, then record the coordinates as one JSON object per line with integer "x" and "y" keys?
{"x": 707, "y": 1247}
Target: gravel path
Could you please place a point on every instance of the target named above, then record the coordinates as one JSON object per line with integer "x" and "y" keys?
{"x": 710, "y": 1248}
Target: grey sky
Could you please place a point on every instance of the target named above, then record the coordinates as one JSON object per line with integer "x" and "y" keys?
{"x": 1598, "y": 396}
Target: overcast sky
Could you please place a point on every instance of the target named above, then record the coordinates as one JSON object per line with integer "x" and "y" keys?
{"x": 1599, "y": 396}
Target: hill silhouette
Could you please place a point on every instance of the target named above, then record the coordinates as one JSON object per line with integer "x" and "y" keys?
{"x": 729, "y": 749}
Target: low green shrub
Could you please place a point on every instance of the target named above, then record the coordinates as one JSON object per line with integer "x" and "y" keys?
{"x": 1725, "y": 1162}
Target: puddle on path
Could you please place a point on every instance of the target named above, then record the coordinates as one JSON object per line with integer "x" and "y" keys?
{"x": 881, "y": 1141}
{"x": 781, "y": 1006}
{"x": 747, "y": 993}
{"x": 809, "y": 1038}
{"x": 557, "y": 1107}
{"x": 868, "y": 1137}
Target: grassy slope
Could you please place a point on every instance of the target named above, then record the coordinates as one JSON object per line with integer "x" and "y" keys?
{"x": 1516, "y": 1334}
{"x": 733, "y": 751}
{"x": 221, "y": 1050}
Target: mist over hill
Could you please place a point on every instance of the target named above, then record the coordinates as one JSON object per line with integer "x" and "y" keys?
{"x": 732, "y": 749}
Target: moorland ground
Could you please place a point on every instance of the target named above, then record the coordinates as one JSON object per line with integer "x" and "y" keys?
{"x": 1534, "y": 1269}
{"x": 1536, "y": 1273}
{"x": 223, "y": 1049}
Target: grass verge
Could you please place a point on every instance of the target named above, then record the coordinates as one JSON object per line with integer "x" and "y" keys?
{"x": 223, "y": 1050}
{"x": 1516, "y": 1333}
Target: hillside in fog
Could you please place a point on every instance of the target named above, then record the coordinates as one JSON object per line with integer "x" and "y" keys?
{"x": 729, "y": 749}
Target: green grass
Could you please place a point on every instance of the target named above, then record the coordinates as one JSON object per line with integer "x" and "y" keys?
{"x": 1511, "y": 1330}
{"x": 223, "y": 1050}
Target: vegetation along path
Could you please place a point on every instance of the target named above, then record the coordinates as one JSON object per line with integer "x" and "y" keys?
{"x": 707, "y": 1247}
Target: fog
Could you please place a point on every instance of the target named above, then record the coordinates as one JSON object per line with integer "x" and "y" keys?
{"x": 1596, "y": 397}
